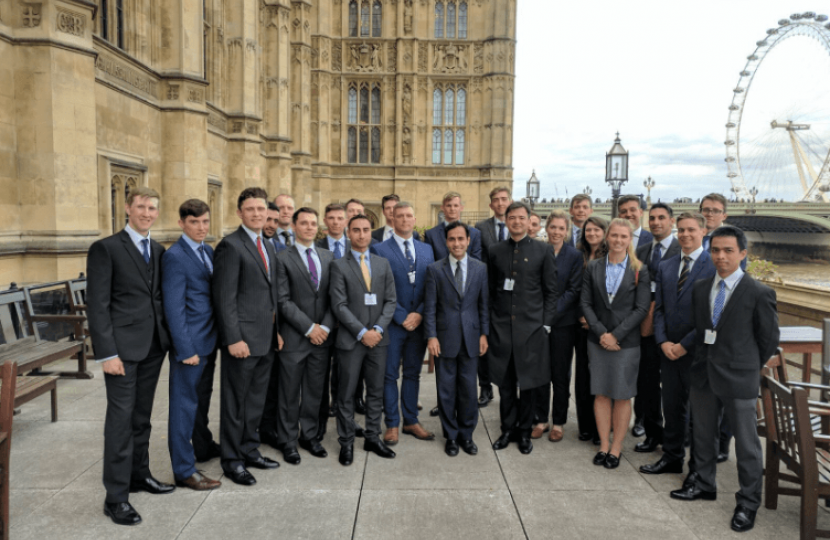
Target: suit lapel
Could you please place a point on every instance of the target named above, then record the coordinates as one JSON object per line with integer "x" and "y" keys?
{"x": 195, "y": 259}
{"x": 450, "y": 276}
{"x": 739, "y": 291}
{"x": 355, "y": 266}
{"x": 693, "y": 273}
{"x": 602, "y": 281}
{"x": 294, "y": 255}
{"x": 136, "y": 256}
{"x": 251, "y": 247}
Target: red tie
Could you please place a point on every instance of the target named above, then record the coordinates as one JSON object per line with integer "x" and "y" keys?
{"x": 261, "y": 252}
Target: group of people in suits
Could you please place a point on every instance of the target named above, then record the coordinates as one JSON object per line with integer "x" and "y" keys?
{"x": 311, "y": 327}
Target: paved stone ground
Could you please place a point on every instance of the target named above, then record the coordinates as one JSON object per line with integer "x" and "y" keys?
{"x": 556, "y": 492}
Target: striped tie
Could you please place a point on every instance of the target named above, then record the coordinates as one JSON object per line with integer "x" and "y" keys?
{"x": 720, "y": 301}
{"x": 684, "y": 274}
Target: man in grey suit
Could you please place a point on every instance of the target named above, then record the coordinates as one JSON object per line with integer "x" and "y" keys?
{"x": 303, "y": 299}
{"x": 245, "y": 297}
{"x": 363, "y": 300}
{"x": 736, "y": 333}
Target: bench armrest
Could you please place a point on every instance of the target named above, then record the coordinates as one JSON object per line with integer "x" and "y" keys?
{"x": 58, "y": 318}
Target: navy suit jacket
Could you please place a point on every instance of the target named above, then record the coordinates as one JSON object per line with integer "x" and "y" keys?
{"x": 278, "y": 246}
{"x": 188, "y": 308}
{"x": 377, "y": 235}
{"x": 454, "y": 319}
{"x": 645, "y": 238}
{"x": 569, "y": 284}
{"x": 673, "y": 317}
{"x": 437, "y": 238}
{"x": 410, "y": 298}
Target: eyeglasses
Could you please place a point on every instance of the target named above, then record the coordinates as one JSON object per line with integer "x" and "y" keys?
{"x": 713, "y": 211}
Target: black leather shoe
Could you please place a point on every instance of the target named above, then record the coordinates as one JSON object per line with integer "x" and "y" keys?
{"x": 723, "y": 456}
{"x": 359, "y": 406}
{"x": 743, "y": 519}
{"x": 241, "y": 476}
{"x": 648, "y": 445}
{"x": 663, "y": 466}
{"x": 638, "y": 430}
{"x": 213, "y": 451}
{"x": 358, "y": 431}
{"x": 599, "y": 459}
{"x": 262, "y": 462}
{"x": 690, "y": 492}
{"x": 612, "y": 461}
{"x": 485, "y": 397}
{"x": 691, "y": 478}
{"x": 469, "y": 447}
{"x": 596, "y": 440}
{"x": 502, "y": 442}
{"x": 584, "y": 436}
{"x": 291, "y": 456}
{"x": 434, "y": 411}
{"x": 346, "y": 455}
{"x": 270, "y": 438}
{"x": 378, "y": 448}
{"x": 314, "y": 448}
{"x": 451, "y": 448}
{"x": 122, "y": 513}
{"x": 151, "y": 485}
{"x": 525, "y": 445}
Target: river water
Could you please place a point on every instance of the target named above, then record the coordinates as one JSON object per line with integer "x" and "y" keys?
{"x": 815, "y": 274}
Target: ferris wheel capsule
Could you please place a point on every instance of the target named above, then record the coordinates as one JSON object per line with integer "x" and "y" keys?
{"x": 734, "y": 107}
{"x": 784, "y": 22}
{"x": 762, "y": 43}
{"x": 795, "y": 16}
{"x": 809, "y": 15}
{"x": 772, "y": 31}
{"x": 821, "y": 18}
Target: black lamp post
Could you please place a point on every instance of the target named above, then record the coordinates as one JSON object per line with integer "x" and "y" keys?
{"x": 616, "y": 171}
{"x": 533, "y": 189}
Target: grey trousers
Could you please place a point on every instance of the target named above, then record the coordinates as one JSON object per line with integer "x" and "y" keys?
{"x": 373, "y": 362}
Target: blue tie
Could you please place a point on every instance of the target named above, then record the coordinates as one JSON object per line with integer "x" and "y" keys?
{"x": 656, "y": 257}
{"x": 204, "y": 259}
{"x": 501, "y": 232}
{"x": 706, "y": 241}
{"x": 720, "y": 301}
{"x": 145, "y": 244}
{"x": 337, "y": 252}
{"x": 408, "y": 255}
{"x": 577, "y": 230}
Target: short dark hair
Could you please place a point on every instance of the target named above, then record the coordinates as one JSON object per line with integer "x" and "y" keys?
{"x": 334, "y": 207}
{"x": 581, "y": 197}
{"x": 664, "y": 206}
{"x": 354, "y": 201}
{"x": 625, "y": 199}
{"x": 251, "y": 193}
{"x": 193, "y": 207}
{"x": 303, "y": 210}
{"x": 716, "y": 197}
{"x": 387, "y": 198}
{"x": 516, "y": 206}
{"x": 728, "y": 230}
{"x": 534, "y": 214}
{"x": 359, "y": 216}
{"x": 454, "y": 225}
{"x": 273, "y": 206}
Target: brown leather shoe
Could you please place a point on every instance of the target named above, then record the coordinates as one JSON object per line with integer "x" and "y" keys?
{"x": 538, "y": 431}
{"x": 199, "y": 482}
{"x": 556, "y": 434}
{"x": 391, "y": 436}
{"x": 418, "y": 431}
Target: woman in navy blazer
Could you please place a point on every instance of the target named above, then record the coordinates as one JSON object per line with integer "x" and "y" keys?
{"x": 616, "y": 295}
{"x": 563, "y": 332}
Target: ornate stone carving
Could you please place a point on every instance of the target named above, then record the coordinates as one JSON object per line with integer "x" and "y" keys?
{"x": 408, "y": 17}
{"x": 217, "y": 121}
{"x": 422, "y": 58}
{"x": 195, "y": 95}
{"x": 476, "y": 82}
{"x": 252, "y": 128}
{"x": 70, "y": 23}
{"x": 250, "y": 45}
{"x": 172, "y": 91}
{"x": 31, "y": 15}
{"x": 406, "y": 104}
{"x": 127, "y": 75}
{"x": 407, "y": 57}
{"x": 237, "y": 127}
{"x": 336, "y": 58}
{"x": 392, "y": 58}
{"x": 366, "y": 57}
{"x": 478, "y": 58}
{"x": 450, "y": 58}
{"x": 406, "y": 145}
{"x": 422, "y": 84}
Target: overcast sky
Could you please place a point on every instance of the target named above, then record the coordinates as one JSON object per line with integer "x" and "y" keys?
{"x": 660, "y": 73}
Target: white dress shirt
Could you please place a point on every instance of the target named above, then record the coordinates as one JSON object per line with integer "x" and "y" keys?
{"x": 693, "y": 256}
{"x": 731, "y": 280}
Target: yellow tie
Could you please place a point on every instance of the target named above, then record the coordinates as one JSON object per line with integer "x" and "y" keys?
{"x": 365, "y": 269}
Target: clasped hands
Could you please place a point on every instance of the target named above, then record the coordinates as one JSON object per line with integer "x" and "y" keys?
{"x": 317, "y": 335}
{"x": 673, "y": 351}
{"x": 609, "y": 342}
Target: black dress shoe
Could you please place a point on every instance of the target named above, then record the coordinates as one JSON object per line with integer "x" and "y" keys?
{"x": 291, "y": 456}
{"x": 451, "y": 448}
{"x": 469, "y": 447}
{"x": 269, "y": 438}
{"x": 314, "y": 448}
{"x": 612, "y": 461}
{"x": 525, "y": 445}
{"x": 663, "y": 466}
{"x": 358, "y": 431}
{"x": 241, "y": 476}
{"x": 638, "y": 430}
{"x": 585, "y": 436}
{"x": 691, "y": 478}
{"x": 723, "y": 456}
{"x": 648, "y": 445}
{"x": 485, "y": 397}
{"x": 599, "y": 459}
{"x": 262, "y": 462}
{"x": 596, "y": 440}
{"x": 743, "y": 519}
{"x": 151, "y": 485}
{"x": 346, "y": 455}
{"x": 378, "y": 448}
{"x": 359, "y": 406}
{"x": 502, "y": 442}
{"x": 122, "y": 513}
{"x": 433, "y": 411}
{"x": 213, "y": 451}
{"x": 690, "y": 492}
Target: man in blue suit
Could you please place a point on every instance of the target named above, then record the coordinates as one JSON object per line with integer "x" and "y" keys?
{"x": 629, "y": 207}
{"x": 457, "y": 322}
{"x": 186, "y": 274}
{"x": 409, "y": 260}
{"x": 436, "y": 237}
{"x": 674, "y": 331}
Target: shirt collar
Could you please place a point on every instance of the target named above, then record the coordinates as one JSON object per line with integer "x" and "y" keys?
{"x": 252, "y": 234}
{"x": 637, "y": 231}
{"x": 731, "y": 280}
{"x": 134, "y": 236}
{"x": 280, "y": 231}
{"x": 332, "y": 241}
{"x": 497, "y": 221}
{"x": 454, "y": 261}
{"x": 192, "y": 243}
{"x": 622, "y": 264}
{"x": 303, "y": 249}
{"x": 357, "y": 254}
{"x": 401, "y": 240}
{"x": 695, "y": 255}
{"x": 665, "y": 243}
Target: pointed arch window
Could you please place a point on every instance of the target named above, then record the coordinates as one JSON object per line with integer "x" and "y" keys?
{"x": 462, "y": 20}
{"x": 364, "y": 19}
{"x": 375, "y": 145}
{"x": 436, "y": 146}
{"x": 365, "y": 117}
{"x": 353, "y": 18}
{"x": 352, "y": 106}
{"x": 451, "y": 20}
{"x": 376, "y": 106}
{"x": 439, "y": 19}
{"x": 459, "y": 147}
{"x": 352, "y": 145}
{"x": 364, "y": 144}
{"x": 448, "y": 146}
{"x": 461, "y": 108}
{"x": 437, "y": 106}
{"x": 377, "y": 18}
{"x": 451, "y": 23}
{"x": 364, "y": 105}
{"x": 449, "y": 102}
{"x": 449, "y": 119}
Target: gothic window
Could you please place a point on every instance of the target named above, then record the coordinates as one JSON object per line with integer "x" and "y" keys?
{"x": 437, "y": 106}
{"x": 448, "y": 146}
{"x": 375, "y": 145}
{"x": 449, "y": 118}
{"x": 449, "y": 100}
{"x": 364, "y": 19}
{"x": 451, "y": 20}
{"x": 120, "y": 187}
{"x": 461, "y": 111}
{"x": 216, "y": 210}
{"x": 459, "y": 147}
{"x": 462, "y": 20}
{"x": 352, "y": 145}
{"x": 436, "y": 146}
{"x": 105, "y": 17}
{"x": 352, "y": 106}
{"x": 364, "y": 132}
{"x": 377, "y": 17}
{"x": 376, "y": 106}
{"x": 353, "y": 18}
{"x": 364, "y": 144}
{"x": 455, "y": 22}
{"x": 364, "y": 105}
{"x": 119, "y": 23}
{"x": 113, "y": 24}
{"x": 439, "y": 19}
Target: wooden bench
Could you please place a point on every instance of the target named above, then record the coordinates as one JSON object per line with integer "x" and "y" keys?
{"x": 8, "y": 374}
{"x": 28, "y": 388}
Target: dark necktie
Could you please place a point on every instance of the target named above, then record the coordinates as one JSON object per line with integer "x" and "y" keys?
{"x": 261, "y": 252}
{"x": 337, "y": 252}
{"x": 459, "y": 277}
{"x": 408, "y": 255}
{"x": 145, "y": 251}
{"x": 684, "y": 274}
{"x": 312, "y": 269}
{"x": 706, "y": 241}
{"x": 286, "y": 238}
{"x": 577, "y": 230}
{"x": 656, "y": 257}
{"x": 204, "y": 259}
{"x": 501, "y": 232}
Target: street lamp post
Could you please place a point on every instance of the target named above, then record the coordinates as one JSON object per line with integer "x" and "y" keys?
{"x": 616, "y": 171}
{"x": 587, "y": 191}
{"x": 753, "y": 192}
{"x": 533, "y": 189}
{"x": 649, "y": 184}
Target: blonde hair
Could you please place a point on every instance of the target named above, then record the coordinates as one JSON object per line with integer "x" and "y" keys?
{"x": 141, "y": 193}
{"x": 559, "y": 214}
{"x": 632, "y": 251}
{"x": 450, "y": 195}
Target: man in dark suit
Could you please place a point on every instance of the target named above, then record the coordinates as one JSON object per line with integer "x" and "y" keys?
{"x": 363, "y": 300}
{"x": 674, "y": 332}
{"x": 408, "y": 258}
{"x": 382, "y": 234}
{"x": 436, "y": 237}
{"x": 245, "y": 296}
{"x": 186, "y": 275}
{"x": 580, "y": 210}
{"x": 457, "y": 321}
{"x": 126, "y": 322}
{"x": 647, "y": 404}
{"x": 523, "y": 295}
{"x": 736, "y": 333}
{"x": 269, "y": 230}
{"x": 284, "y": 233}
{"x": 493, "y": 230}
{"x": 630, "y": 207}
{"x": 303, "y": 297}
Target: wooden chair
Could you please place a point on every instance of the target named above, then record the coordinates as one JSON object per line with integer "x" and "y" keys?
{"x": 76, "y": 293}
{"x": 791, "y": 440}
{"x": 777, "y": 369}
{"x": 7, "y": 391}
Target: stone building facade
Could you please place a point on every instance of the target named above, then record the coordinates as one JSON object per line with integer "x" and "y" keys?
{"x": 323, "y": 99}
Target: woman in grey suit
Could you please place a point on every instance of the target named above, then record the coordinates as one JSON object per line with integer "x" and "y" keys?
{"x": 615, "y": 299}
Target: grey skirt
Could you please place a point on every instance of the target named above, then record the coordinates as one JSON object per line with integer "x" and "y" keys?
{"x": 613, "y": 373}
